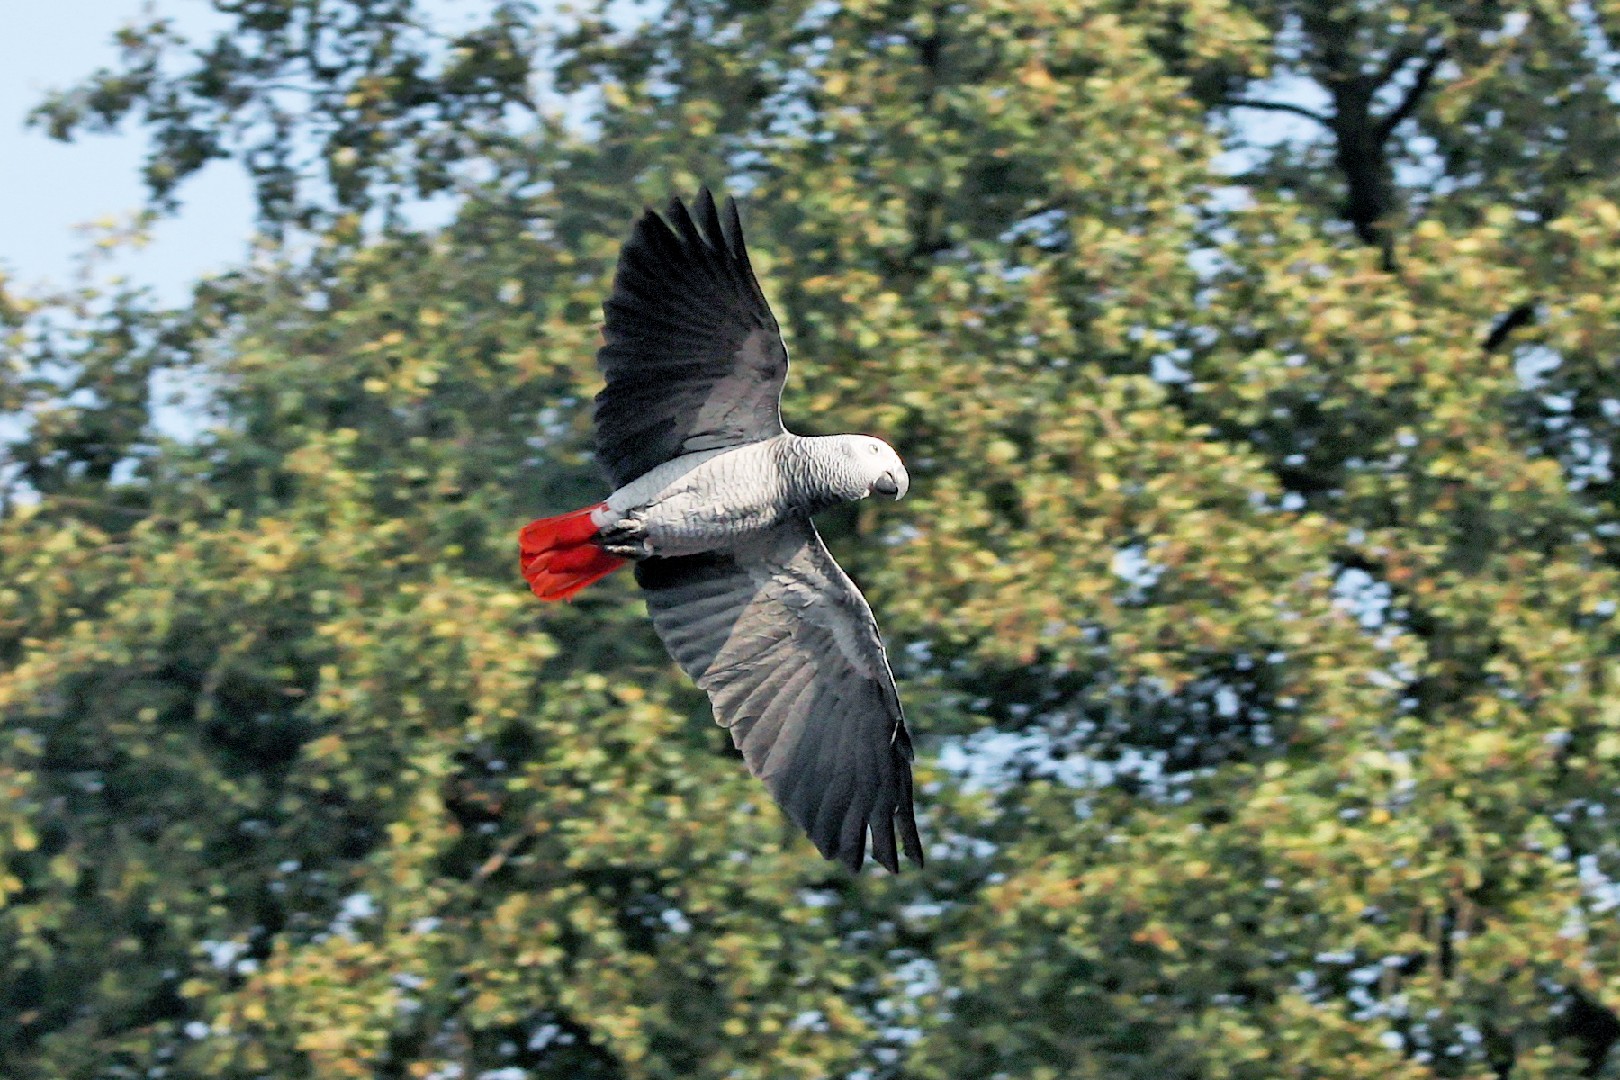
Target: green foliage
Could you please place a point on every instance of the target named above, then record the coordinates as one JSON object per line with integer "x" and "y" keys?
{"x": 333, "y": 107}
{"x": 1254, "y": 602}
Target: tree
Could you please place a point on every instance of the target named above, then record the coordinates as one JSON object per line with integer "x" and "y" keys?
{"x": 1254, "y": 600}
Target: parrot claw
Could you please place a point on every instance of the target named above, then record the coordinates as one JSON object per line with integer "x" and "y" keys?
{"x": 626, "y": 539}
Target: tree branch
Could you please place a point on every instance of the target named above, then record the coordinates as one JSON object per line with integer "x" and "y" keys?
{"x": 1399, "y": 55}
{"x": 1278, "y": 106}
{"x": 1414, "y": 94}
{"x": 1523, "y": 315}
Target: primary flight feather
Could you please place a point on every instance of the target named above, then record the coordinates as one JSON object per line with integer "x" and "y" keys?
{"x": 712, "y": 503}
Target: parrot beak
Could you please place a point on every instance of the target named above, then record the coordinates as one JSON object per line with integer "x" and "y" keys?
{"x": 894, "y": 483}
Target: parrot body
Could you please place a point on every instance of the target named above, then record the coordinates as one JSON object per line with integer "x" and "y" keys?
{"x": 712, "y": 499}
{"x": 712, "y": 504}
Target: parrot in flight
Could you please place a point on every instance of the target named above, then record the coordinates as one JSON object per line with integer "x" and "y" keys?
{"x": 712, "y": 504}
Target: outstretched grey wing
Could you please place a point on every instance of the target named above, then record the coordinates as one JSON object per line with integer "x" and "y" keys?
{"x": 693, "y": 357}
{"x": 789, "y": 653}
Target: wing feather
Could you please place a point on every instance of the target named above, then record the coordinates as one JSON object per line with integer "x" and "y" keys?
{"x": 789, "y": 653}
{"x": 693, "y": 357}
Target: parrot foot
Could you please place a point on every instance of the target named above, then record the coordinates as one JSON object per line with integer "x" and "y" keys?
{"x": 626, "y": 539}
{"x": 638, "y": 549}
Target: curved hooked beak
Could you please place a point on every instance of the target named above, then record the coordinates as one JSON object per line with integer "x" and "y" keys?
{"x": 894, "y": 482}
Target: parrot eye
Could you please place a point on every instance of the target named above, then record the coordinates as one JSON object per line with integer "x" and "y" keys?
{"x": 872, "y": 447}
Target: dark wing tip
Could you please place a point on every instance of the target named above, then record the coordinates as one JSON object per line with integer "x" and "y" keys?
{"x": 700, "y": 220}
{"x": 708, "y": 218}
{"x": 675, "y": 209}
{"x": 909, "y": 840}
{"x": 884, "y": 852}
{"x": 680, "y": 220}
{"x": 840, "y": 819}
{"x": 883, "y": 848}
{"x": 732, "y": 231}
{"x": 700, "y": 224}
{"x": 880, "y": 821}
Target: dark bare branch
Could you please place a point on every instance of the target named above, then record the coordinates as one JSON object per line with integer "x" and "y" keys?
{"x": 1414, "y": 94}
{"x": 1399, "y": 56}
{"x": 1519, "y": 317}
{"x": 1279, "y": 106}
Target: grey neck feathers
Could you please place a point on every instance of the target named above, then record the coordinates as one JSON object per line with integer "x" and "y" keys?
{"x": 820, "y": 473}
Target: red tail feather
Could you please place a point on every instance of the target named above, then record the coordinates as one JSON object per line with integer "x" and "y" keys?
{"x": 560, "y": 557}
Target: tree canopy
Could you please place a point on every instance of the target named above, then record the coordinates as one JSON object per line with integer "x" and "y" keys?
{"x": 1254, "y": 604}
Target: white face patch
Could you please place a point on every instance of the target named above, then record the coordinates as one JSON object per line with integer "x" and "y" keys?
{"x": 877, "y": 468}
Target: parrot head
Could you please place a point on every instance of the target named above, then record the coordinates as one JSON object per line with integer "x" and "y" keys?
{"x": 880, "y": 469}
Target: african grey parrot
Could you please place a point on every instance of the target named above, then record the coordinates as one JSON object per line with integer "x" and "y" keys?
{"x": 712, "y": 503}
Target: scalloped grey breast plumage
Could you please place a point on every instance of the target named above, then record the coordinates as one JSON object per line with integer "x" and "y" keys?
{"x": 762, "y": 617}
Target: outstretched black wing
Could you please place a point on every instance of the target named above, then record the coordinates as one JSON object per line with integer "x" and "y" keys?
{"x": 789, "y": 653}
{"x": 694, "y": 359}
